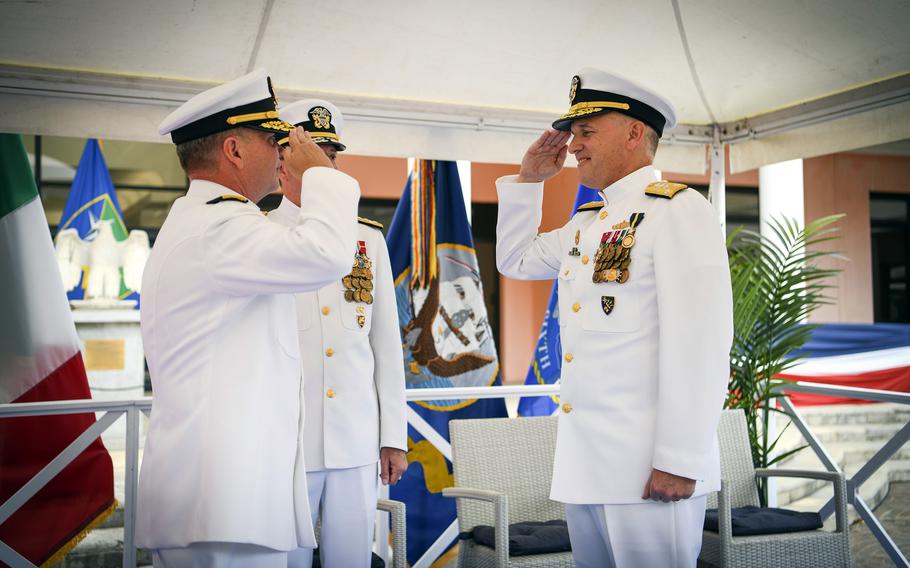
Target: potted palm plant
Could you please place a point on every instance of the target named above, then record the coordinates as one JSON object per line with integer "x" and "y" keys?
{"x": 777, "y": 282}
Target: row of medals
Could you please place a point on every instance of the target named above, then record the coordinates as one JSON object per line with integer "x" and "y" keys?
{"x": 611, "y": 263}
{"x": 359, "y": 283}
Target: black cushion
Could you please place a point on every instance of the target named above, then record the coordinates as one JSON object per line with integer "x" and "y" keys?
{"x": 765, "y": 520}
{"x": 527, "y": 538}
{"x": 376, "y": 561}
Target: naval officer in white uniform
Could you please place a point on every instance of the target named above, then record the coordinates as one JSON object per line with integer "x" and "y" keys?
{"x": 217, "y": 483}
{"x": 353, "y": 373}
{"x": 645, "y": 314}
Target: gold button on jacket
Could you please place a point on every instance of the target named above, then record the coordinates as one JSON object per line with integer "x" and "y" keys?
{"x": 329, "y": 352}
{"x": 330, "y": 393}
{"x": 567, "y": 408}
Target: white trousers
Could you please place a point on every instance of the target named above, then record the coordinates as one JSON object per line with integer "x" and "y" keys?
{"x": 648, "y": 534}
{"x": 219, "y": 555}
{"x": 345, "y": 499}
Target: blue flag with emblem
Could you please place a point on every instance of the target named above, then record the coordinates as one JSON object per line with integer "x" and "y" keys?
{"x": 447, "y": 342}
{"x": 92, "y": 199}
{"x": 547, "y": 363}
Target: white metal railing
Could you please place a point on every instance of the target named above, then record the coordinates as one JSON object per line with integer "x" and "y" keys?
{"x": 868, "y": 469}
{"x": 112, "y": 411}
{"x": 131, "y": 408}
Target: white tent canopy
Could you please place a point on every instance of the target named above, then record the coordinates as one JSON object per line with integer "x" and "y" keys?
{"x": 474, "y": 79}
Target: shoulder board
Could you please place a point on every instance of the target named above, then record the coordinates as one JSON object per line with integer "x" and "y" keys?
{"x": 666, "y": 189}
{"x": 221, "y": 198}
{"x": 591, "y": 206}
{"x": 370, "y": 223}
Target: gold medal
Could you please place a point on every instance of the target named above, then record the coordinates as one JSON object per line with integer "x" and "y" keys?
{"x": 628, "y": 241}
{"x": 349, "y": 295}
{"x": 368, "y": 285}
{"x": 346, "y": 281}
{"x": 623, "y": 276}
{"x": 366, "y": 297}
{"x": 611, "y": 252}
{"x": 596, "y": 278}
{"x": 612, "y": 275}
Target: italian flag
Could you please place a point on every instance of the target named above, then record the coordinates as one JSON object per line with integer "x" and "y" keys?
{"x": 40, "y": 361}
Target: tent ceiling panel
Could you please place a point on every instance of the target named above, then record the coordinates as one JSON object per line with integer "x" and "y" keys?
{"x": 202, "y": 40}
{"x": 755, "y": 57}
{"x": 491, "y": 66}
{"x": 493, "y": 54}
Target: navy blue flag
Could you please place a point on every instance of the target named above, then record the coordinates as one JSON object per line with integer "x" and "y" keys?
{"x": 92, "y": 199}
{"x": 446, "y": 337}
{"x": 547, "y": 363}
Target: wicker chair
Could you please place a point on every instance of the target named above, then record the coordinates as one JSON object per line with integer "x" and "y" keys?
{"x": 502, "y": 470}
{"x": 396, "y": 510}
{"x": 820, "y": 548}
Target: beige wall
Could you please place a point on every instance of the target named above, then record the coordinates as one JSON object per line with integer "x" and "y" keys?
{"x": 379, "y": 178}
{"x": 841, "y": 183}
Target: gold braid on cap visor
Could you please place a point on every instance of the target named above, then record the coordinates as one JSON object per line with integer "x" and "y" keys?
{"x": 314, "y": 136}
{"x": 593, "y": 106}
{"x": 251, "y": 117}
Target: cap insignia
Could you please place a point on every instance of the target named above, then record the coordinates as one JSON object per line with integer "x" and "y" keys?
{"x": 576, "y": 82}
{"x": 321, "y": 117}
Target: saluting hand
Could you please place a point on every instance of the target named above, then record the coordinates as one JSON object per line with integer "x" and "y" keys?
{"x": 302, "y": 154}
{"x": 545, "y": 157}
{"x": 666, "y": 487}
{"x": 392, "y": 465}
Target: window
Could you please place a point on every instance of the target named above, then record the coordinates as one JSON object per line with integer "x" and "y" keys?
{"x": 147, "y": 177}
{"x": 890, "y": 224}
{"x": 741, "y": 205}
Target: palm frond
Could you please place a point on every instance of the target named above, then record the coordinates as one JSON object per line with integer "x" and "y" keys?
{"x": 777, "y": 281}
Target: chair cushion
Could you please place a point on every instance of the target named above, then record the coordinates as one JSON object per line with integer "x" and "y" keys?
{"x": 527, "y": 538}
{"x": 765, "y": 520}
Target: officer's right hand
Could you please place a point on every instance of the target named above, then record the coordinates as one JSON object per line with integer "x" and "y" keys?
{"x": 545, "y": 157}
{"x": 302, "y": 154}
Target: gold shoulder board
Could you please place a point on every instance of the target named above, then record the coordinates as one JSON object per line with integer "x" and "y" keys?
{"x": 591, "y": 206}
{"x": 666, "y": 189}
{"x": 221, "y": 198}
{"x": 370, "y": 222}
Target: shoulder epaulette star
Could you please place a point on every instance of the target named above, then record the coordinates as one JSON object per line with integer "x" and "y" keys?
{"x": 591, "y": 206}
{"x": 370, "y": 223}
{"x": 221, "y": 198}
{"x": 666, "y": 189}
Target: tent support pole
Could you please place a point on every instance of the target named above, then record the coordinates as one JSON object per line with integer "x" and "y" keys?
{"x": 718, "y": 188}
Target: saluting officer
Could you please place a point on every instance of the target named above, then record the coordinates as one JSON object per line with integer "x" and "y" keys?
{"x": 645, "y": 314}
{"x": 353, "y": 375}
{"x": 217, "y": 484}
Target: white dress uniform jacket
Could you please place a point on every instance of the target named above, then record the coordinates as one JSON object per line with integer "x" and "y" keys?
{"x": 355, "y": 400}
{"x": 218, "y": 327}
{"x": 642, "y": 386}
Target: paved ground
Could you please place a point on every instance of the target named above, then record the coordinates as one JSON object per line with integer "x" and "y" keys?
{"x": 894, "y": 514}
